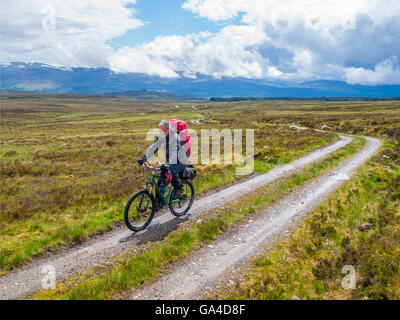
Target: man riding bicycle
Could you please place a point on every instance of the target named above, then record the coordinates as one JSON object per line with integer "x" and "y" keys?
{"x": 175, "y": 154}
{"x": 142, "y": 206}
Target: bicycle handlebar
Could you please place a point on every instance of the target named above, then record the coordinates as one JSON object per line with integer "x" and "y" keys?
{"x": 146, "y": 165}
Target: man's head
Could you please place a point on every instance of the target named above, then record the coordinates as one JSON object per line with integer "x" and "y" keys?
{"x": 164, "y": 127}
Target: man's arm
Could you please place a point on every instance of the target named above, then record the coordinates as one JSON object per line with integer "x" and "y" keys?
{"x": 152, "y": 149}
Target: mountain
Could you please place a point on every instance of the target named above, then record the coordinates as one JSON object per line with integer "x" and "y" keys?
{"x": 148, "y": 94}
{"x": 45, "y": 78}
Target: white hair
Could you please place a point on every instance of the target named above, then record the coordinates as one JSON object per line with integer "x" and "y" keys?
{"x": 164, "y": 123}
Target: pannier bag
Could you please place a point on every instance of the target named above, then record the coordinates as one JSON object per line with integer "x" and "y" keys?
{"x": 189, "y": 173}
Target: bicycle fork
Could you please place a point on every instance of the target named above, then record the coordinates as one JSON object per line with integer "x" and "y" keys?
{"x": 140, "y": 204}
{"x": 147, "y": 201}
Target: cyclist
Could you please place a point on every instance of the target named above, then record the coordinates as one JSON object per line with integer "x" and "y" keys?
{"x": 175, "y": 154}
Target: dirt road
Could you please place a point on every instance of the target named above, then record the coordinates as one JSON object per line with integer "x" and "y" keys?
{"x": 194, "y": 278}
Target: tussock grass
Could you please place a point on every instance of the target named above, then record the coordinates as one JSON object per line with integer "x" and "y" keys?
{"x": 68, "y": 165}
{"x": 357, "y": 226}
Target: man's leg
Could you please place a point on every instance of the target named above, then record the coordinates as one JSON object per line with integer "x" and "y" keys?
{"x": 175, "y": 169}
{"x": 159, "y": 201}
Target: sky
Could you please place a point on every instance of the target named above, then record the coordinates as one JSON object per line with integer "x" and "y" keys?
{"x": 356, "y": 41}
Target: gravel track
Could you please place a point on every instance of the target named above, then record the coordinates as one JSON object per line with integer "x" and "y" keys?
{"x": 202, "y": 271}
{"x": 27, "y": 279}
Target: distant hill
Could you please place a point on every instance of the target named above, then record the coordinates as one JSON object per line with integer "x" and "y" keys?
{"x": 148, "y": 94}
{"x": 44, "y": 78}
{"x": 141, "y": 94}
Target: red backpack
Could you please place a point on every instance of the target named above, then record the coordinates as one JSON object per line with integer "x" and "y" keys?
{"x": 182, "y": 129}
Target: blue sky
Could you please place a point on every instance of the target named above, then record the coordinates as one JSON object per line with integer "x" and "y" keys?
{"x": 164, "y": 18}
{"x": 356, "y": 41}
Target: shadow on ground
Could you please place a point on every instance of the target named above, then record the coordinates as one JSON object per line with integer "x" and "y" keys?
{"x": 156, "y": 231}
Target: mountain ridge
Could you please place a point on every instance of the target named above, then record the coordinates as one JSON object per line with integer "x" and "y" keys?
{"x": 39, "y": 77}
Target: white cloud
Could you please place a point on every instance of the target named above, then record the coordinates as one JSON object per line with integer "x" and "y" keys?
{"x": 326, "y": 12}
{"x": 387, "y": 71}
{"x": 214, "y": 9}
{"x": 135, "y": 60}
{"x": 73, "y": 33}
{"x": 289, "y": 40}
{"x": 313, "y": 39}
{"x": 231, "y": 53}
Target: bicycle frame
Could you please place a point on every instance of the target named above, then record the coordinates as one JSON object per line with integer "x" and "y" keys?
{"x": 153, "y": 183}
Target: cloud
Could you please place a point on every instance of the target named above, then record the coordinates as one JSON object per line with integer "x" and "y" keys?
{"x": 387, "y": 71}
{"x": 314, "y": 39}
{"x": 230, "y": 53}
{"x": 136, "y": 60}
{"x": 315, "y": 12}
{"x": 287, "y": 40}
{"x": 215, "y": 10}
{"x": 72, "y": 33}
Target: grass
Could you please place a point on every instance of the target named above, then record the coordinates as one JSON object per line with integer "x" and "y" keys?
{"x": 358, "y": 226}
{"x": 68, "y": 163}
{"x": 132, "y": 270}
{"x": 67, "y": 173}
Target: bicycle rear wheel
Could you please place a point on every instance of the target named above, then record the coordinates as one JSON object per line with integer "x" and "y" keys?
{"x": 182, "y": 205}
{"x": 139, "y": 210}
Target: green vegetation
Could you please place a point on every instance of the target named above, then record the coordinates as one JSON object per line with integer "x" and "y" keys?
{"x": 131, "y": 270}
{"x": 68, "y": 168}
{"x": 358, "y": 226}
{"x": 68, "y": 164}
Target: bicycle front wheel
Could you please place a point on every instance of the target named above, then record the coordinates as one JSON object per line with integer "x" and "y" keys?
{"x": 139, "y": 211}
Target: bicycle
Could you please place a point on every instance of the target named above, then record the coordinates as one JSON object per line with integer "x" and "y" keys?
{"x": 141, "y": 207}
